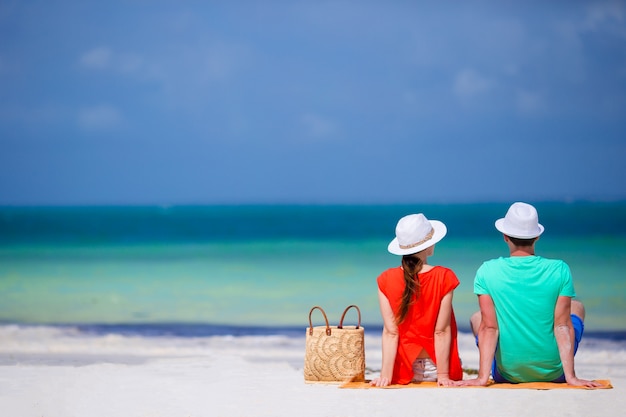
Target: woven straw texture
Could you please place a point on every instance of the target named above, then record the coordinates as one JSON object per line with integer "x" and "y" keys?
{"x": 339, "y": 357}
{"x": 334, "y": 354}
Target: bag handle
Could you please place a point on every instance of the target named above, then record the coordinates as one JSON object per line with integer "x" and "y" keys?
{"x": 344, "y": 314}
{"x": 325, "y": 319}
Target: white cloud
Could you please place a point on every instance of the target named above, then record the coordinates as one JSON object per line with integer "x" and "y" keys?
{"x": 529, "y": 102}
{"x": 3, "y": 65}
{"x": 599, "y": 15}
{"x": 97, "y": 58}
{"x": 44, "y": 115}
{"x": 409, "y": 98}
{"x": 469, "y": 83}
{"x": 128, "y": 63}
{"x": 221, "y": 60}
{"x": 99, "y": 118}
{"x": 317, "y": 126}
{"x": 104, "y": 58}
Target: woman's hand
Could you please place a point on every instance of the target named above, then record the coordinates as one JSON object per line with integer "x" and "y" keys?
{"x": 380, "y": 382}
{"x": 444, "y": 381}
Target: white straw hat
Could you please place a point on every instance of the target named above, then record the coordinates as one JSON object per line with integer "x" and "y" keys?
{"x": 414, "y": 233}
{"x": 521, "y": 221}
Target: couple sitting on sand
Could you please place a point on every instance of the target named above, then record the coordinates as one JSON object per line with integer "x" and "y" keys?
{"x": 528, "y": 327}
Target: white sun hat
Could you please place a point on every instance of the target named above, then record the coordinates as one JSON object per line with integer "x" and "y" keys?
{"x": 414, "y": 233}
{"x": 521, "y": 221}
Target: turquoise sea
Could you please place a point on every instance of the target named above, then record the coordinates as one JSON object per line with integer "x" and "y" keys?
{"x": 223, "y": 268}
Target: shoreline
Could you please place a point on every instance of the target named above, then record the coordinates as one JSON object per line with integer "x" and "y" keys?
{"x": 187, "y": 329}
{"x": 47, "y": 343}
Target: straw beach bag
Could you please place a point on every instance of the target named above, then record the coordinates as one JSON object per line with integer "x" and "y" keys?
{"x": 334, "y": 353}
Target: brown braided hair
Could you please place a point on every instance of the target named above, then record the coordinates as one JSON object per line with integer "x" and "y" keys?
{"x": 412, "y": 265}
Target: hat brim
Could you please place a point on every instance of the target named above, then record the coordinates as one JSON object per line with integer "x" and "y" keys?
{"x": 440, "y": 231}
{"x": 502, "y": 228}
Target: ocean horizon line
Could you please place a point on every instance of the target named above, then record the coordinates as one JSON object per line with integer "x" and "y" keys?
{"x": 161, "y": 205}
{"x": 197, "y": 223}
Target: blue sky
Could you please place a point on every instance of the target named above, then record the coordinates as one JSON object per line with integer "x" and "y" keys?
{"x": 203, "y": 102}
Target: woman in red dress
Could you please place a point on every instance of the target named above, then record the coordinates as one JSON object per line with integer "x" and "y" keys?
{"x": 419, "y": 338}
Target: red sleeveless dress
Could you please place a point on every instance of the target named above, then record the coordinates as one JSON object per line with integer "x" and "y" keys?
{"x": 417, "y": 330}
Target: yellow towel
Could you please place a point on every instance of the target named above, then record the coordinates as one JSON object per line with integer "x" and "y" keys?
{"x": 606, "y": 384}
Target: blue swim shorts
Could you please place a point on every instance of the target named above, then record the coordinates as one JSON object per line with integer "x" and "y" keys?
{"x": 579, "y": 328}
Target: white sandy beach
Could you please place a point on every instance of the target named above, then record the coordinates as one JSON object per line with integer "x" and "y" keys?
{"x": 54, "y": 372}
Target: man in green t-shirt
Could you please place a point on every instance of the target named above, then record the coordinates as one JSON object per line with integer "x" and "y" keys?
{"x": 528, "y": 327}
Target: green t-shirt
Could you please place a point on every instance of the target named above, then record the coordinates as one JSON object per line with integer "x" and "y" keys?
{"x": 524, "y": 290}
